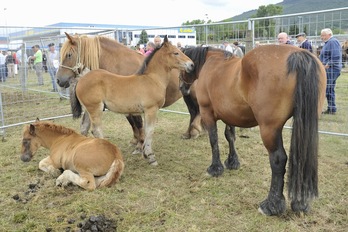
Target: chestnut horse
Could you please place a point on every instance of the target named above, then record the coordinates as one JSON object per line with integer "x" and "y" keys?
{"x": 141, "y": 93}
{"x": 100, "y": 52}
{"x": 87, "y": 162}
{"x": 198, "y": 55}
{"x": 267, "y": 87}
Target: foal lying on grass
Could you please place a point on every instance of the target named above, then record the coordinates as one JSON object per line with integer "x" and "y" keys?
{"x": 87, "y": 162}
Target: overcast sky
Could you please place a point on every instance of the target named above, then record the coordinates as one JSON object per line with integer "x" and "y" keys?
{"x": 122, "y": 12}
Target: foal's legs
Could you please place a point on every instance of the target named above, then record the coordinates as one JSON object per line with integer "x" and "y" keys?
{"x": 83, "y": 179}
{"x": 274, "y": 204}
{"x": 46, "y": 165}
{"x": 232, "y": 161}
{"x": 150, "y": 120}
{"x": 136, "y": 121}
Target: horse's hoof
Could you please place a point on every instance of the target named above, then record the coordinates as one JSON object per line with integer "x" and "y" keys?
{"x": 269, "y": 208}
{"x": 134, "y": 141}
{"x": 152, "y": 160}
{"x": 215, "y": 170}
{"x": 136, "y": 152}
{"x": 185, "y": 136}
{"x": 299, "y": 207}
{"x": 153, "y": 163}
{"x": 234, "y": 165}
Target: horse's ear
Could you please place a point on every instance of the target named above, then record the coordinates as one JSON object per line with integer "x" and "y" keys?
{"x": 37, "y": 120}
{"x": 165, "y": 39}
{"x": 32, "y": 129}
{"x": 70, "y": 38}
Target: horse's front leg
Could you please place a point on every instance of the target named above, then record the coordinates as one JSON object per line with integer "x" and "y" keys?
{"x": 83, "y": 179}
{"x": 46, "y": 165}
{"x": 216, "y": 168}
{"x": 274, "y": 204}
{"x": 150, "y": 120}
{"x": 232, "y": 161}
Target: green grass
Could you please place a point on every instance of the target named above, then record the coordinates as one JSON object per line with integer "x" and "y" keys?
{"x": 177, "y": 195}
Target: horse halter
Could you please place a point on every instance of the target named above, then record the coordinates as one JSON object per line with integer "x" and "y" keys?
{"x": 78, "y": 64}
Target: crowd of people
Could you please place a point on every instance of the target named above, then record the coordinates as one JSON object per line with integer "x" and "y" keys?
{"x": 331, "y": 57}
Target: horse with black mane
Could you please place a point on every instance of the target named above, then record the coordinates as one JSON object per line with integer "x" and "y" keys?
{"x": 268, "y": 86}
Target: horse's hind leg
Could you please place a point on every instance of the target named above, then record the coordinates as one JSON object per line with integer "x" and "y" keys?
{"x": 232, "y": 161}
{"x": 96, "y": 120}
{"x": 193, "y": 111}
{"x": 84, "y": 180}
{"x": 274, "y": 204}
{"x": 85, "y": 124}
{"x": 138, "y": 132}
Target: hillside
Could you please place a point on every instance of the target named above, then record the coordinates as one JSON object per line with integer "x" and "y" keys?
{"x": 297, "y": 6}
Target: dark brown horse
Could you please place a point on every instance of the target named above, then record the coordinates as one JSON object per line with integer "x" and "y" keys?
{"x": 141, "y": 93}
{"x": 100, "y": 52}
{"x": 267, "y": 87}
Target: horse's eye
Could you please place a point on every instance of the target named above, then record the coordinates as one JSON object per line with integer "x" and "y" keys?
{"x": 176, "y": 53}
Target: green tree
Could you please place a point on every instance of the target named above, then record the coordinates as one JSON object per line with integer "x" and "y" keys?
{"x": 266, "y": 26}
{"x": 195, "y": 22}
{"x": 143, "y": 37}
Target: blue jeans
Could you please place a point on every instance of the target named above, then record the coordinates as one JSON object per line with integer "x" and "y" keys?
{"x": 332, "y": 75}
{"x": 52, "y": 71}
{"x": 2, "y": 72}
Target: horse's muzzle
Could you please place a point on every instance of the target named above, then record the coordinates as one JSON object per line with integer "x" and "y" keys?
{"x": 26, "y": 157}
{"x": 63, "y": 84}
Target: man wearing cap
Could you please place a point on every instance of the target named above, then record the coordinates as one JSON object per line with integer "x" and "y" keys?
{"x": 53, "y": 64}
{"x": 304, "y": 43}
{"x": 37, "y": 57}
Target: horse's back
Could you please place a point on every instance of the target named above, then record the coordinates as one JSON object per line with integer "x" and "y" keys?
{"x": 252, "y": 90}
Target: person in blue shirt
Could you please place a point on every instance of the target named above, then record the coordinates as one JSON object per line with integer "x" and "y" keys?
{"x": 331, "y": 57}
{"x": 303, "y": 42}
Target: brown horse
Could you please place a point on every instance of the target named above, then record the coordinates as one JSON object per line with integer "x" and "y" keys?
{"x": 198, "y": 55}
{"x": 99, "y": 52}
{"x": 267, "y": 87}
{"x": 141, "y": 93}
{"x": 87, "y": 162}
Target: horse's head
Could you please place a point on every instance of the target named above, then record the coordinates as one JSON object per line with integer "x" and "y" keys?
{"x": 70, "y": 64}
{"x": 176, "y": 58}
{"x": 30, "y": 143}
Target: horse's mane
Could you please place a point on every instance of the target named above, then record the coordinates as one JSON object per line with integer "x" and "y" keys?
{"x": 89, "y": 53}
{"x": 147, "y": 61}
{"x": 42, "y": 126}
{"x": 198, "y": 55}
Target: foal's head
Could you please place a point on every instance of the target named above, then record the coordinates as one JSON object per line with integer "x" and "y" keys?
{"x": 30, "y": 143}
{"x": 170, "y": 56}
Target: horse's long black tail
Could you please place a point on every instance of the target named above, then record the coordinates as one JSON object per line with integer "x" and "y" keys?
{"x": 303, "y": 158}
{"x": 76, "y": 108}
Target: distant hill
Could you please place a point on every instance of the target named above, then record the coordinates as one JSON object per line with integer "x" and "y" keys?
{"x": 297, "y": 6}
